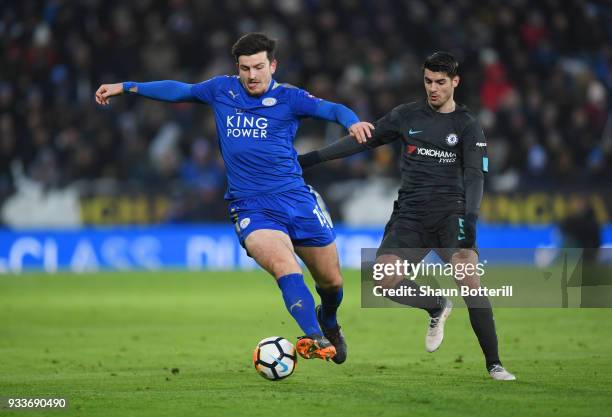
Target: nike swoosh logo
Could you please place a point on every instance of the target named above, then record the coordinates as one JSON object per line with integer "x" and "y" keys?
{"x": 283, "y": 366}
{"x": 414, "y": 132}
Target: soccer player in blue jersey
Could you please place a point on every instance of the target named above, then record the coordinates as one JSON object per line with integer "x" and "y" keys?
{"x": 275, "y": 213}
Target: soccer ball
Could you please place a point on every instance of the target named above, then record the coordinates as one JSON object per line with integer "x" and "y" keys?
{"x": 274, "y": 358}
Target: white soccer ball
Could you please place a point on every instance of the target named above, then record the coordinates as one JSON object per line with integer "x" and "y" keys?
{"x": 274, "y": 358}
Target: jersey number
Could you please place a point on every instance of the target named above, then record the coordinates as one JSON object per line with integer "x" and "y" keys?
{"x": 461, "y": 230}
{"x": 322, "y": 218}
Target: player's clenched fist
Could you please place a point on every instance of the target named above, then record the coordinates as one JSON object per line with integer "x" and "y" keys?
{"x": 108, "y": 90}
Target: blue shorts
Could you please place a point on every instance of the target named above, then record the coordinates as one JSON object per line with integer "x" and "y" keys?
{"x": 300, "y": 213}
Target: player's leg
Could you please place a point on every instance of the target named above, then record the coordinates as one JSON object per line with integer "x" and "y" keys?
{"x": 412, "y": 297}
{"x": 406, "y": 240}
{"x": 323, "y": 264}
{"x": 313, "y": 236}
{"x": 403, "y": 241}
{"x": 479, "y": 307}
{"x": 481, "y": 315}
{"x": 438, "y": 308}
{"x": 273, "y": 251}
{"x": 261, "y": 229}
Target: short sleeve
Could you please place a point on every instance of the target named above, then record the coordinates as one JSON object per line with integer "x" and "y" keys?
{"x": 475, "y": 147}
{"x": 205, "y": 91}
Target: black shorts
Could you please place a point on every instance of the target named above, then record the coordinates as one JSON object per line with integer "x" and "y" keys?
{"x": 411, "y": 235}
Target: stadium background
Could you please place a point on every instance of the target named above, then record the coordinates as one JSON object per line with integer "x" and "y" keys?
{"x": 538, "y": 75}
{"x": 139, "y": 184}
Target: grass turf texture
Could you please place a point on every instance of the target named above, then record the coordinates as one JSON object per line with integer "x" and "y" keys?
{"x": 172, "y": 344}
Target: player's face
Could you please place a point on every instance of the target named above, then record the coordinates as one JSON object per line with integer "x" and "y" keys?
{"x": 255, "y": 72}
{"x": 439, "y": 87}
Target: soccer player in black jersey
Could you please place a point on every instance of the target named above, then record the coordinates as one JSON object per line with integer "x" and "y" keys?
{"x": 444, "y": 158}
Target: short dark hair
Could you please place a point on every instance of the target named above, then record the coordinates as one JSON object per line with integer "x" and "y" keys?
{"x": 253, "y": 43}
{"x": 442, "y": 62}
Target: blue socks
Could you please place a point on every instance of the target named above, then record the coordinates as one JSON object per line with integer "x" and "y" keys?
{"x": 301, "y": 306}
{"x": 299, "y": 302}
{"x": 330, "y": 301}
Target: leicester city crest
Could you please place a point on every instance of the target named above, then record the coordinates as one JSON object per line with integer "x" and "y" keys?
{"x": 244, "y": 223}
{"x": 452, "y": 139}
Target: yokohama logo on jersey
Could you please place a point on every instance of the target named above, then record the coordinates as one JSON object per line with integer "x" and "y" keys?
{"x": 444, "y": 157}
{"x": 436, "y": 153}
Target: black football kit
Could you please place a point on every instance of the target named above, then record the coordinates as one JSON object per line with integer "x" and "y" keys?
{"x": 443, "y": 161}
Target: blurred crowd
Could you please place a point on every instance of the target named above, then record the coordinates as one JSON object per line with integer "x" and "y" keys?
{"x": 538, "y": 74}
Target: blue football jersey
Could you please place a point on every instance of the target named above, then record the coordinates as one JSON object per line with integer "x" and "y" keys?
{"x": 256, "y": 133}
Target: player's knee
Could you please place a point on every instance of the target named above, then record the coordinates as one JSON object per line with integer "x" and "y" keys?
{"x": 471, "y": 282}
{"x": 464, "y": 256}
{"x": 390, "y": 282}
{"x": 334, "y": 287}
{"x": 281, "y": 268}
{"x": 387, "y": 259}
{"x": 331, "y": 282}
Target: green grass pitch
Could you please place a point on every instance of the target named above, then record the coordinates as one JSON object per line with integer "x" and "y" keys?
{"x": 109, "y": 344}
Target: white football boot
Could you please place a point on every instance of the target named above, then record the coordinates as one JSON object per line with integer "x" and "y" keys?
{"x": 435, "y": 332}
{"x": 499, "y": 373}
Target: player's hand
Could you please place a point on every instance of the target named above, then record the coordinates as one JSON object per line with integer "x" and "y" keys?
{"x": 362, "y": 131}
{"x": 469, "y": 231}
{"x": 106, "y": 91}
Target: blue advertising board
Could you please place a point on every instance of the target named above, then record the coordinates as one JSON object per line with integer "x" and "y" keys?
{"x": 199, "y": 247}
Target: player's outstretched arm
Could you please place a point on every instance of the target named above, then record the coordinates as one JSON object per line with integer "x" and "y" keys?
{"x": 168, "y": 90}
{"x": 360, "y": 131}
{"x": 343, "y": 147}
{"x": 386, "y": 131}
